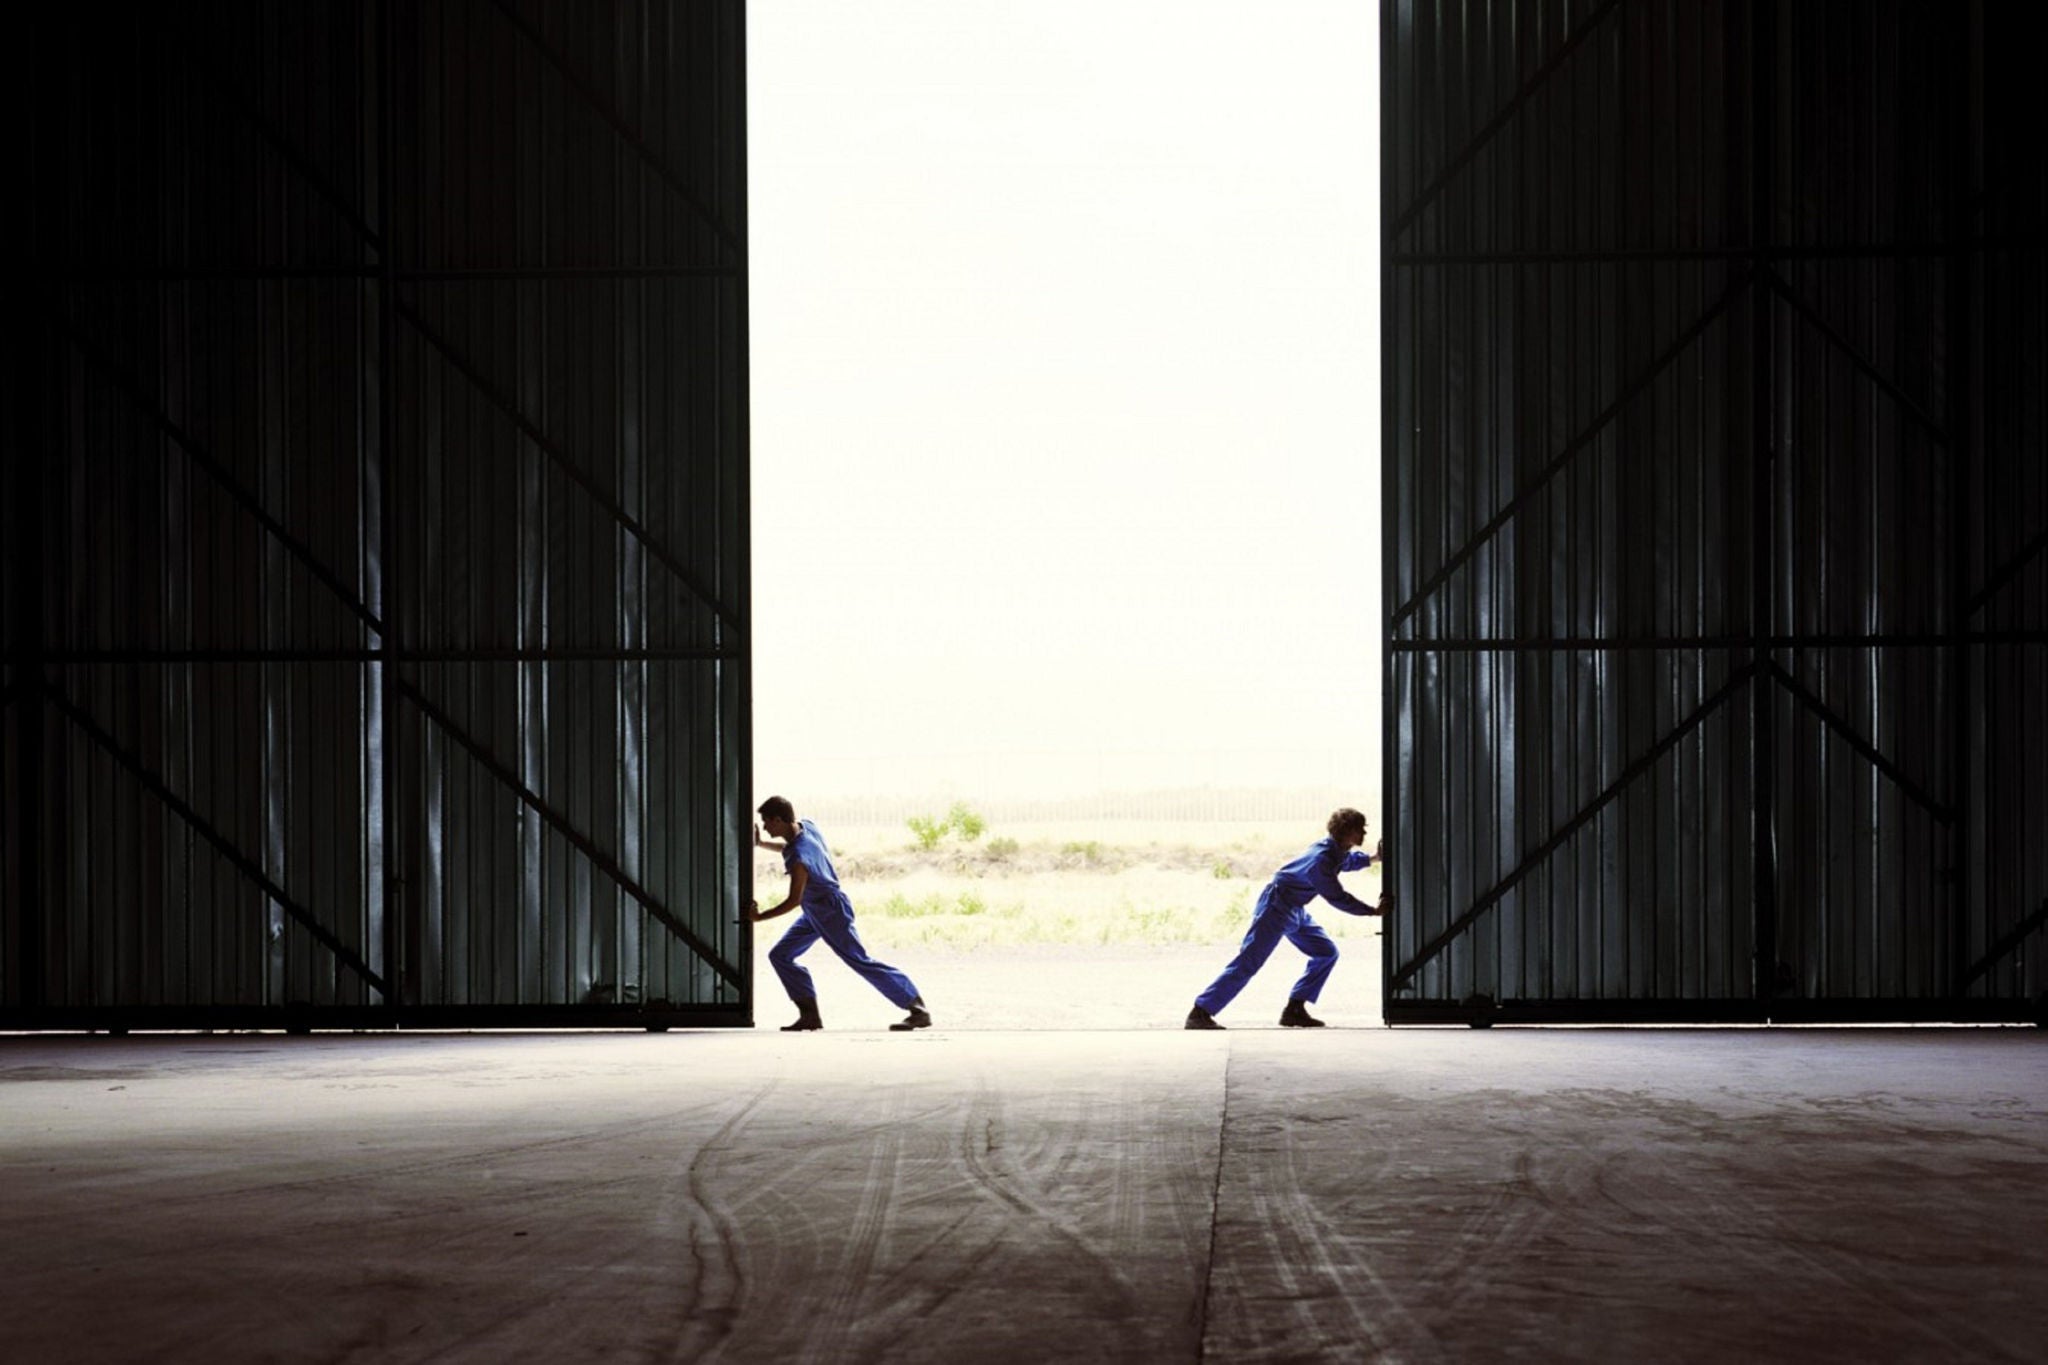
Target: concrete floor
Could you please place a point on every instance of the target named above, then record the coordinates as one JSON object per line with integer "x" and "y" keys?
{"x": 1007, "y": 1196}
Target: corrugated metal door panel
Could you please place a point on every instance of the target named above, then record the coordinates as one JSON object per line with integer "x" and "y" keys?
{"x": 379, "y": 650}
{"x": 1709, "y": 345}
{"x": 594, "y": 922}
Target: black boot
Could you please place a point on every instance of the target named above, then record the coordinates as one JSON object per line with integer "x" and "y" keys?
{"x": 917, "y": 1019}
{"x": 807, "y": 1020}
{"x": 1201, "y": 1018}
{"x": 1296, "y": 1015}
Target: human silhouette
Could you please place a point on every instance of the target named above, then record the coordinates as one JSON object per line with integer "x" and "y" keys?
{"x": 1282, "y": 913}
{"x": 827, "y": 914}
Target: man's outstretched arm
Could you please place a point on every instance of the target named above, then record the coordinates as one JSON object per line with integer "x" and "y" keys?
{"x": 1330, "y": 889}
{"x": 799, "y": 878}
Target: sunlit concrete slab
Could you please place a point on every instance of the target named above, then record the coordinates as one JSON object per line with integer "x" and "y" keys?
{"x": 592, "y": 1197}
{"x": 1343, "y": 1194}
{"x": 1635, "y": 1195}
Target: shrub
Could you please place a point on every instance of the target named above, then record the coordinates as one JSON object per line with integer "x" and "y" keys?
{"x": 1001, "y": 847}
{"x": 960, "y": 820}
{"x": 965, "y": 822}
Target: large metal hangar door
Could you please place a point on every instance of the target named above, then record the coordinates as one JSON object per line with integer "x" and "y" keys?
{"x": 375, "y": 516}
{"x": 1715, "y": 510}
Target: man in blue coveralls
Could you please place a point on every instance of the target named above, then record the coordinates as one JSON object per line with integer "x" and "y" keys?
{"x": 1282, "y": 914}
{"x": 827, "y": 914}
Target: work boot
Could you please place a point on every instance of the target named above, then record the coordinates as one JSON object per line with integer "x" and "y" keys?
{"x": 917, "y": 1018}
{"x": 1296, "y": 1015}
{"x": 807, "y": 1020}
{"x": 1201, "y": 1018}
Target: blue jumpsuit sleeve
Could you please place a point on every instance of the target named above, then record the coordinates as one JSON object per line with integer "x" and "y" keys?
{"x": 1330, "y": 889}
{"x": 1354, "y": 861}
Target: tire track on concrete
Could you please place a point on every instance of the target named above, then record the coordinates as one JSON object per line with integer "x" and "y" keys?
{"x": 867, "y": 1277}
{"x": 1312, "y": 1261}
{"x": 1516, "y": 1209}
{"x": 420, "y": 1166}
{"x": 914, "y": 1304}
{"x": 841, "y": 1311}
{"x": 811, "y": 1208}
{"x": 1215, "y": 1212}
{"x": 970, "y": 1240}
{"x": 1290, "y": 1209}
{"x": 719, "y": 1320}
{"x": 888, "y": 1295}
{"x": 356, "y": 1185}
{"x": 1767, "y": 1243}
{"x": 1093, "y": 1174}
{"x": 1016, "y": 1186}
{"x": 1387, "y": 1304}
{"x": 563, "y": 1285}
{"x": 790, "y": 1235}
{"x": 1128, "y": 1179}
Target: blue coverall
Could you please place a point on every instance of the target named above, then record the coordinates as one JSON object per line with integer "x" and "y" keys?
{"x": 827, "y": 913}
{"x": 1280, "y": 914}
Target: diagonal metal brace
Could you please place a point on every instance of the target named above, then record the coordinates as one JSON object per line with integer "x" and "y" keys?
{"x": 2005, "y": 573}
{"x": 599, "y": 859}
{"x": 225, "y": 478}
{"x": 2004, "y": 946}
{"x": 1556, "y": 841}
{"x": 1428, "y": 193}
{"x": 1848, "y": 348}
{"x": 196, "y": 60}
{"x": 610, "y": 505}
{"x": 1578, "y": 443}
{"x": 617, "y": 123}
{"x": 1868, "y": 751}
{"x": 247, "y": 866}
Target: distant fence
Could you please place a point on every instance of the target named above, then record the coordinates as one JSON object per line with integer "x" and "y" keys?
{"x": 1197, "y": 805}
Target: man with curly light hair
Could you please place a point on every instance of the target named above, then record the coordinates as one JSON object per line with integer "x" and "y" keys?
{"x": 1282, "y": 913}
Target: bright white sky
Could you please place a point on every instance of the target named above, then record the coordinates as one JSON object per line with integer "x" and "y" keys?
{"x": 1065, "y": 395}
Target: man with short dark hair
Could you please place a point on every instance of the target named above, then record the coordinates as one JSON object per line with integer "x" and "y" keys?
{"x": 827, "y": 914}
{"x": 1282, "y": 913}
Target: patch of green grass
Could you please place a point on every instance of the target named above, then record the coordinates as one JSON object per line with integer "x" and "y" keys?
{"x": 899, "y": 906}
{"x": 934, "y": 906}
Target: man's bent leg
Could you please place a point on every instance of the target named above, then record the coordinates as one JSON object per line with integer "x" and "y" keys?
{"x": 1314, "y": 940}
{"x": 783, "y": 958}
